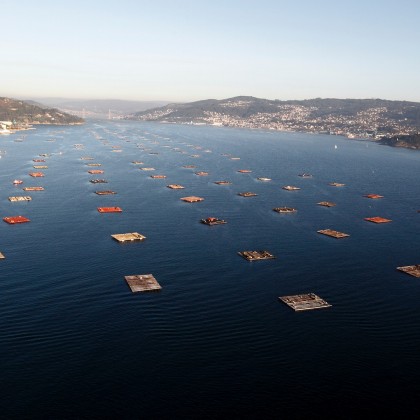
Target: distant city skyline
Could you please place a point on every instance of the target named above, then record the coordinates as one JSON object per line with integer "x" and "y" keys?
{"x": 185, "y": 50}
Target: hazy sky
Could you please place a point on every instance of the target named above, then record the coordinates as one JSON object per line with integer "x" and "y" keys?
{"x": 182, "y": 50}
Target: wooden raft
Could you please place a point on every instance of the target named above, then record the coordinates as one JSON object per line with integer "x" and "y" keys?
{"x": 33, "y": 189}
{"x": 192, "y": 199}
{"x": 373, "y": 196}
{"x": 285, "y": 210}
{"x": 326, "y": 204}
{"x": 222, "y": 182}
{"x": 142, "y": 283}
{"x": 20, "y": 198}
{"x": 247, "y": 194}
{"x": 128, "y": 237}
{"x": 175, "y": 187}
{"x": 333, "y": 233}
{"x": 412, "y": 270}
{"x": 106, "y": 192}
{"x": 36, "y": 174}
{"x": 305, "y": 302}
{"x": 336, "y": 184}
{"x": 290, "y": 188}
{"x": 256, "y": 255}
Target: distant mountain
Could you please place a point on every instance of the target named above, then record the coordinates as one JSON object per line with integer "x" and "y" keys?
{"x": 100, "y": 108}
{"x": 24, "y": 112}
{"x": 359, "y": 118}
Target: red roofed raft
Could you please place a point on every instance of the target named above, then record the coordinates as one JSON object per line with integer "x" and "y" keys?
{"x": 109, "y": 209}
{"x": 377, "y": 219}
{"x": 12, "y": 220}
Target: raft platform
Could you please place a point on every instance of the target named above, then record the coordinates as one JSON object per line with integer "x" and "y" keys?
{"x": 147, "y": 169}
{"x": 85, "y": 158}
{"x": 142, "y": 283}
{"x": 192, "y": 199}
{"x": 290, "y": 188}
{"x": 128, "y": 237}
{"x": 285, "y": 210}
{"x": 222, "y": 182}
{"x": 304, "y": 302}
{"x": 326, "y": 204}
{"x": 33, "y": 189}
{"x": 94, "y": 164}
{"x": 201, "y": 173}
{"x": 377, "y": 219}
{"x": 189, "y": 166}
{"x": 136, "y": 162}
{"x": 109, "y": 209}
{"x": 305, "y": 175}
{"x": 98, "y": 181}
{"x": 336, "y": 184}
{"x": 38, "y": 160}
{"x": 36, "y": 174}
{"x": 96, "y": 171}
{"x": 12, "y": 220}
{"x": 256, "y": 255}
{"x": 175, "y": 187}
{"x": 211, "y": 221}
{"x": 412, "y": 270}
{"x": 247, "y": 194}
{"x": 244, "y": 171}
{"x": 264, "y": 179}
{"x": 20, "y": 198}
{"x": 106, "y": 192}
{"x": 333, "y": 233}
{"x": 40, "y": 167}
{"x": 158, "y": 176}
{"x": 373, "y": 196}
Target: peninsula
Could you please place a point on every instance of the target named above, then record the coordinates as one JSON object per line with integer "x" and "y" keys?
{"x": 354, "y": 118}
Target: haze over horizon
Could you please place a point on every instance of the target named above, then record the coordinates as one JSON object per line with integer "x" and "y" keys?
{"x": 186, "y": 51}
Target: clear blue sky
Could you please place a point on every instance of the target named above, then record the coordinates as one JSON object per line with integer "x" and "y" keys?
{"x": 185, "y": 50}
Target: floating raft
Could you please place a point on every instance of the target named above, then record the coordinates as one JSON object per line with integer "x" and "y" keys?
{"x": 247, "y": 194}
{"x": 15, "y": 219}
{"x": 201, "y": 173}
{"x": 305, "y": 175}
{"x": 256, "y": 255}
{"x": 305, "y": 302}
{"x": 94, "y": 164}
{"x": 106, "y": 192}
{"x": 222, "y": 182}
{"x": 373, "y": 196}
{"x": 96, "y": 171}
{"x": 40, "y": 167}
{"x": 377, "y": 219}
{"x": 17, "y": 182}
{"x": 158, "y": 176}
{"x": 36, "y": 174}
{"x": 333, "y": 233}
{"x": 33, "y": 189}
{"x": 38, "y": 160}
{"x": 192, "y": 199}
{"x": 244, "y": 171}
{"x": 109, "y": 209}
{"x": 235, "y": 158}
{"x": 290, "y": 188}
{"x": 147, "y": 169}
{"x": 189, "y": 166}
{"x": 98, "y": 181}
{"x": 128, "y": 237}
{"x": 264, "y": 179}
{"x": 285, "y": 210}
{"x": 175, "y": 187}
{"x": 137, "y": 162}
{"x": 20, "y": 198}
{"x": 85, "y": 158}
{"x": 336, "y": 184}
{"x": 142, "y": 283}
{"x": 412, "y": 270}
{"x": 211, "y": 221}
{"x": 326, "y": 204}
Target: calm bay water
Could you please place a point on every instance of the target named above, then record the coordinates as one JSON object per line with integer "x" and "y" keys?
{"x": 215, "y": 342}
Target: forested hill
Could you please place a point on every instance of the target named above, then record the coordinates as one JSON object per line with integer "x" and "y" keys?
{"x": 352, "y": 117}
{"x": 28, "y": 112}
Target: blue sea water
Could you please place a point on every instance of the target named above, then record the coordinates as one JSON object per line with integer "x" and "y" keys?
{"x": 215, "y": 342}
